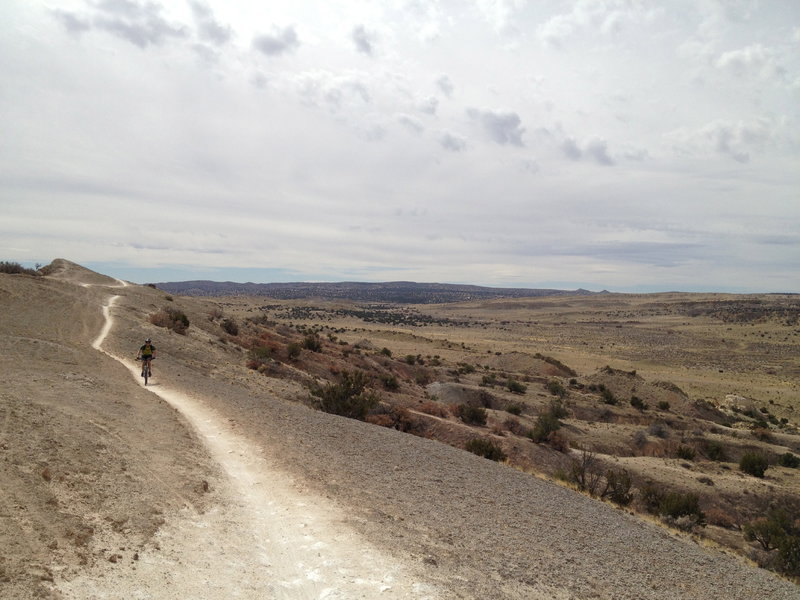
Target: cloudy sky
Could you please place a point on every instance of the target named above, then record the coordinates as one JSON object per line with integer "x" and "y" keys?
{"x": 630, "y": 145}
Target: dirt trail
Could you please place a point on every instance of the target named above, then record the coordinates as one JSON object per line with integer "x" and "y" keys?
{"x": 263, "y": 540}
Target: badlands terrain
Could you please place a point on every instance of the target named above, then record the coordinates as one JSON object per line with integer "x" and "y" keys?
{"x": 222, "y": 479}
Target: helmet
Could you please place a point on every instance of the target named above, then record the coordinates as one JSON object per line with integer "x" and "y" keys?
{"x": 147, "y": 341}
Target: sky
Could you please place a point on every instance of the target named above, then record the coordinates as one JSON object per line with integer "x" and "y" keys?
{"x": 628, "y": 145}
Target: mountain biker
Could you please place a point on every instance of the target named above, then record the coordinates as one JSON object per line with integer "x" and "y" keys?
{"x": 147, "y": 353}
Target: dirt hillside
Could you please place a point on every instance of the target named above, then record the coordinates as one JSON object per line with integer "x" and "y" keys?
{"x": 110, "y": 490}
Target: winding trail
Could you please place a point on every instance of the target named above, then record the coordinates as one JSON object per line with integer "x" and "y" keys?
{"x": 263, "y": 539}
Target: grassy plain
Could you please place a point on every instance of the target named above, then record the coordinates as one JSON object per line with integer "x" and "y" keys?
{"x": 671, "y": 389}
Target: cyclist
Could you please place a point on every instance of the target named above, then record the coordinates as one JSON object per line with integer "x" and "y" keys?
{"x": 147, "y": 353}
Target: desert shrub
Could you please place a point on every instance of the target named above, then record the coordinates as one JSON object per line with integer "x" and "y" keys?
{"x": 788, "y": 561}
{"x": 608, "y": 396}
{"x": 681, "y": 510}
{"x": 486, "y": 449}
{"x": 489, "y": 380}
{"x": 171, "y": 318}
{"x": 651, "y": 496}
{"x": 685, "y": 452}
{"x": 348, "y": 398}
{"x": 396, "y": 417}
{"x": 545, "y": 424}
{"x": 583, "y": 473}
{"x": 516, "y": 427}
{"x": 789, "y": 460}
{"x": 410, "y": 359}
{"x": 558, "y": 441}
{"x": 516, "y": 387}
{"x": 258, "y": 355}
{"x": 754, "y": 464}
{"x": 637, "y": 402}
{"x": 293, "y": 350}
{"x": 640, "y": 438}
{"x": 465, "y": 368}
{"x": 714, "y": 450}
{"x": 769, "y": 531}
{"x": 390, "y": 382}
{"x": 312, "y": 343}
{"x": 721, "y": 518}
{"x": 230, "y": 327}
{"x": 658, "y": 429}
{"x": 472, "y": 415}
{"x": 554, "y": 387}
{"x": 515, "y": 409}
{"x": 762, "y": 434}
{"x": 663, "y": 405}
{"x": 618, "y": 487}
{"x": 556, "y": 363}
{"x": 434, "y": 408}
{"x": 14, "y": 268}
{"x": 486, "y": 400}
{"x": 557, "y": 409}
{"x": 386, "y": 352}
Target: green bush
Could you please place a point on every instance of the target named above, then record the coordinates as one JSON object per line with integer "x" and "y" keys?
{"x": 14, "y": 268}
{"x": 515, "y": 409}
{"x": 685, "y": 452}
{"x": 472, "y": 415}
{"x": 545, "y": 424}
{"x": 171, "y": 318}
{"x": 312, "y": 343}
{"x": 230, "y": 327}
{"x": 777, "y": 531}
{"x": 789, "y": 460}
{"x": 618, "y": 487}
{"x": 637, "y": 402}
{"x": 390, "y": 382}
{"x": 714, "y": 450}
{"x": 769, "y": 531}
{"x": 486, "y": 449}
{"x": 556, "y": 388}
{"x": 489, "y": 380}
{"x": 663, "y": 405}
{"x": 516, "y": 387}
{"x": 293, "y": 350}
{"x": 608, "y": 396}
{"x": 348, "y": 398}
{"x": 681, "y": 510}
{"x": 754, "y": 464}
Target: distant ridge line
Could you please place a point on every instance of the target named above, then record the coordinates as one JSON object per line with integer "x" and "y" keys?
{"x": 403, "y": 292}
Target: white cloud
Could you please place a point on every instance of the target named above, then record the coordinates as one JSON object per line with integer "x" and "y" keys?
{"x": 738, "y": 139}
{"x": 140, "y": 23}
{"x": 445, "y": 85}
{"x": 752, "y": 60}
{"x": 325, "y": 165}
{"x": 411, "y": 124}
{"x": 208, "y": 28}
{"x": 503, "y": 127}
{"x": 452, "y": 142}
{"x": 278, "y": 41}
{"x": 428, "y": 106}
{"x": 363, "y": 40}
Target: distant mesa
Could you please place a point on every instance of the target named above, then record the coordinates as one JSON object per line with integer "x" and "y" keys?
{"x": 401, "y": 292}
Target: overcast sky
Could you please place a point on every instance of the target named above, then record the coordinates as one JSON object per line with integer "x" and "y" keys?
{"x": 619, "y": 144}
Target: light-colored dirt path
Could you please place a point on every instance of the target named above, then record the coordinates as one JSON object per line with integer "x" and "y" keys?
{"x": 264, "y": 539}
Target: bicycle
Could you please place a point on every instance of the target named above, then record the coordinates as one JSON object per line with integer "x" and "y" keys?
{"x": 146, "y": 367}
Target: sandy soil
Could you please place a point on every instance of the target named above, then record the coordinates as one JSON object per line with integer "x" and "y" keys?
{"x": 212, "y": 483}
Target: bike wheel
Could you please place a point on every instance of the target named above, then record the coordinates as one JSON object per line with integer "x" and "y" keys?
{"x": 146, "y": 373}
